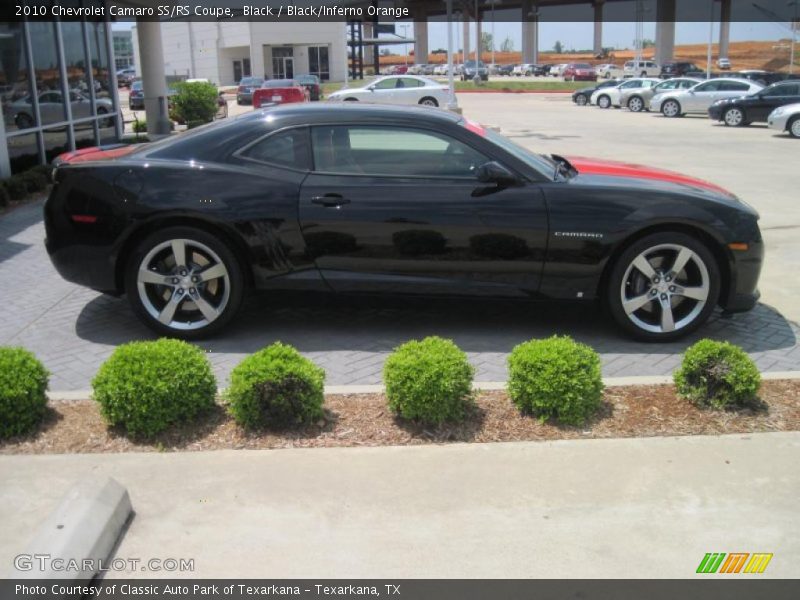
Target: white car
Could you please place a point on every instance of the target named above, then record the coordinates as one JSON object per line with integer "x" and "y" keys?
{"x": 642, "y": 68}
{"x": 638, "y": 99}
{"x": 558, "y": 70}
{"x": 440, "y": 69}
{"x": 51, "y": 109}
{"x": 786, "y": 118}
{"x": 523, "y": 69}
{"x": 611, "y": 96}
{"x": 698, "y": 98}
{"x": 608, "y": 71}
{"x": 396, "y": 89}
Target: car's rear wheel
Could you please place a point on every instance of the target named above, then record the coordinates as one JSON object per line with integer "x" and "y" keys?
{"x": 794, "y": 127}
{"x": 671, "y": 109}
{"x": 581, "y": 100}
{"x": 604, "y": 102}
{"x": 351, "y": 99}
{"x": 635, "y": 104}
{"x": 23, "y": 121}
{"x": 184, "y": 282}
{"x": 734, "y": 117}
{"x": 663, "y": 286}
{"x": 428, "y": 101}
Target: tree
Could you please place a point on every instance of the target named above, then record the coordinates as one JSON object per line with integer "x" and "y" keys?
{"x": 507, "y": 45}
{"x": 558, "y": 47}
{"x": 487, "y": 42}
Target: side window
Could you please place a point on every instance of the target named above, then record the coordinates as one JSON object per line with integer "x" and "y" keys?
{"x": 50, "y": 97}
{"x": 783, "y": 90}
{"x": 663, "y": 87}
{"x": 386, "y": 84}
{"x": 685, "y": 85}
{"x": 711, "y": 86}
{"x": 633, "y": 83}
{"x": 286, "y": 149}
{"x": 410, "y": 82}
{"x": 391, "y": 151}
{"x": 734, "y": 86}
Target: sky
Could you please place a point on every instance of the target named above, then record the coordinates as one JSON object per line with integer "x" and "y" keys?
{"x": 580, "y": 35}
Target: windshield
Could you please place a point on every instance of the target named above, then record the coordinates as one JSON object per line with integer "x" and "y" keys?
{"x": 539, "y": 162}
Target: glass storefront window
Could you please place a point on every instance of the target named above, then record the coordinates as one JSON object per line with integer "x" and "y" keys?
{"x": 23, "y": 152}
{"x": 100, "y": 62}
{"x": 13, "y": 72}
{"x": 48, "y": 78}
{"x": 318, "y": 62}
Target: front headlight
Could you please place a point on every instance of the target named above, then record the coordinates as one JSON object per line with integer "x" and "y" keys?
{"x": 778, "y": 112}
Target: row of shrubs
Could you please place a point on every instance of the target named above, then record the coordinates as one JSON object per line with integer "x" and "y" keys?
{"x": 145, "y": 387}
{"x": 18, "y": 186}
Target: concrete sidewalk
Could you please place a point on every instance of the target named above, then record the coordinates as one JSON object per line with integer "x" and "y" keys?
{"x": 592, "y": 508}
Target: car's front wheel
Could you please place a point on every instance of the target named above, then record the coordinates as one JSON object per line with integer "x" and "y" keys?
{"x": 581, "y": 99}
{"x": 734, "y": 117}
{"x": 428, "y": 101}
{"x": 604, "y": 102}
{"x": 184, "y": 282}
{"x": 663, "y": 286}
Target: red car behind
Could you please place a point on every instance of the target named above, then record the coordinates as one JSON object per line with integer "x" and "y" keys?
{"x": 579, "y": 72}
{"x": 279, "y": 91}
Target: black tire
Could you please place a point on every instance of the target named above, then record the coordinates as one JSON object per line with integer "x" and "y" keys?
{"x": 428, "y": 101}
{"x": 622, "y": 271}
{"x": 233, "y": 285}
{"x": 23, "y": 121}
{"x": 604, "y": 101}
{"x": 104, "y": 122}
{"x": 734, "y": 117}
{"x": 635, "y": 104}
{"x": 351, "y": 99}
{"x": 793, "y": 127}
{"x": 668, "y": 112}
{"x": 581, "y": 100}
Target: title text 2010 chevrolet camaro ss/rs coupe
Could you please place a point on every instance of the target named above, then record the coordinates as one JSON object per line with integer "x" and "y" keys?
{"x": 351, "y": 198}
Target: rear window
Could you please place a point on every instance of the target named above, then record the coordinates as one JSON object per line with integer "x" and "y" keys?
{"x": 279, "y": 83}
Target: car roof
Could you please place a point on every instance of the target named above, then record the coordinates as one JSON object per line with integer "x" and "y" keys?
{"x": 311, "y": 112}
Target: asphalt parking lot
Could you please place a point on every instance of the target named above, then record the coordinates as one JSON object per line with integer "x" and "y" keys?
{"x": 73, "y": 330}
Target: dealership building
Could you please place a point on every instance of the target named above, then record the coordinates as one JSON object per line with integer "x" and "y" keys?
{"x": 225, "y": 51}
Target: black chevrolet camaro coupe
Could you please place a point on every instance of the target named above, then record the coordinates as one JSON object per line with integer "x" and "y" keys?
{"x": 348, "y": 198}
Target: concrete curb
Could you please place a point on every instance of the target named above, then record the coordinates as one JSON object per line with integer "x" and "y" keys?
{"x": 478, "y": 385}
{"x": 84, "y": 526}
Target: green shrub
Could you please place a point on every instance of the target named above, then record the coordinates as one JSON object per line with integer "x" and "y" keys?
{"x": 23, "y": 383}
{"x": 43, "y": 170}
{"x": 34, "y": 181}
{"x": 17, "y": 189}
{"x": 147, "y": 386}
{"x": 5, "y": 199}
{"x": 194, "y": 102}
{"x": 556, "y": 377}
{"x": 717, "y": 374}
{"x": 140, "y": 126}
{"x": 276, "y": 386}
{"x": 429, "y": 381}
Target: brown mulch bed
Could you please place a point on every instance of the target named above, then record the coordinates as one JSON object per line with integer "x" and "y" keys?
{"x": 364, "y": 420}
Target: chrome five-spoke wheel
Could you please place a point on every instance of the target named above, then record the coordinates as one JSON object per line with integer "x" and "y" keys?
{"x": 184, "y": 285}
{"x": 664, "y": 286}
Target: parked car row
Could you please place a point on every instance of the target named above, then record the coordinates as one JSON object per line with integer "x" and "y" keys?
{"x": 734, "y": 101}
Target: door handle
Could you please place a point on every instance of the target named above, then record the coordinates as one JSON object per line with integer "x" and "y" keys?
{"x": 330, "y": 200}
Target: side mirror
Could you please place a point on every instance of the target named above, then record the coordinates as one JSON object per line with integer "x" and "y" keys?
{"x": 494, "y": 172}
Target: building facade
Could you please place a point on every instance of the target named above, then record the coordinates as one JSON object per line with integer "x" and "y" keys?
{"x": 41, "y": 65}
{"x": 224, "y": 52}
{"x": 123, "y": 49}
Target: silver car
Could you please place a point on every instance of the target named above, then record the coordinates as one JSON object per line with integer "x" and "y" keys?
{"x": 786, "y": 118}
{"x": 51, "y": 108}
{"x": 698, "y": 98}
{"x": 638, "y": 99}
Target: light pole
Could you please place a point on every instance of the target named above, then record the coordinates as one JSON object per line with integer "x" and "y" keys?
{"x": 451, "y": 88}
{"x": 710, "y": 40}
{"x": 404, "y": 27}
{"x": 793, "y": 26}
{"x": 493, "y": 38}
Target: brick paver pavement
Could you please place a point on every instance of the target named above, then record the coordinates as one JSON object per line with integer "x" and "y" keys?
{"x": 73, "y": 329}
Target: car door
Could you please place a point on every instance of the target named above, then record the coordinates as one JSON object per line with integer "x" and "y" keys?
{"x": 398, "y": 209}
{"x": 700, "y": 97}
{"x": 408, "y": 90}
{"x": 771, "y": 98}
{"x": 79, "y": 105}
{"x": 51, "y": 107}
{"x": 381, "y": 92}
{"x": 732, "y": 89}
